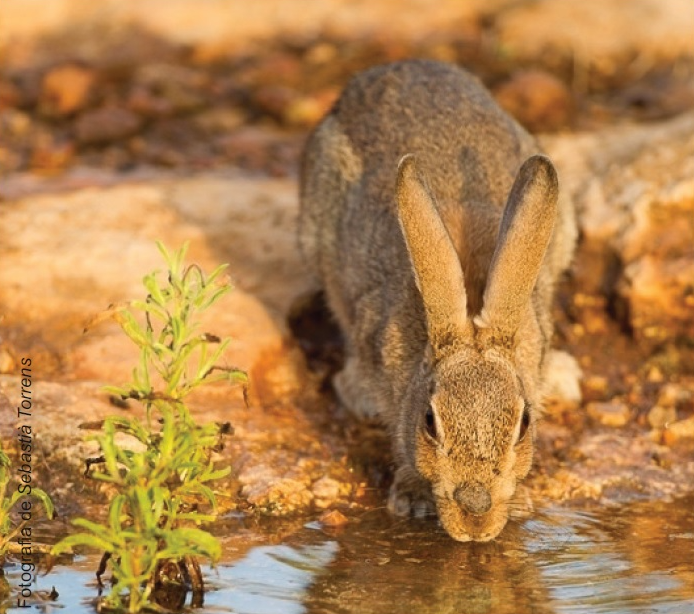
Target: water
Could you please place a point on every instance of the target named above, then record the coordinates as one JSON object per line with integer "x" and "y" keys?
{"x": 633, "y": 560}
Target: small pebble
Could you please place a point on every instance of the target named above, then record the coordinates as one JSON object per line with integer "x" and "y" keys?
{"x": 676, "y": 431}
{"x": 671, "y": 395}
{"x": 333, "y": 518}
{"x": 325, "y": 491}
{"x": 538, "y": 99}
{"x": 660, "y": 416}
{"x": 66, "y": 89}
{"x": 7, "y": 363}
{"x": 595, "y": 387}
{"x": 613, "y": 413}
{"x": 655, "y": 375}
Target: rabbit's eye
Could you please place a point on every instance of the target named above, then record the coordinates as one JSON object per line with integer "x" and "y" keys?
{"x": 525, "y": 423}
{"x": 430, "y": 423}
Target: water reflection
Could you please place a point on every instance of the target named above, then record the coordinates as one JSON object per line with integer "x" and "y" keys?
{"x": 271, "y": 579}
{"x": 638, "y": 559}
{"x": 633, "y": 560}
{"x": 75, "y": 586}
{"x": 390, "y": 566}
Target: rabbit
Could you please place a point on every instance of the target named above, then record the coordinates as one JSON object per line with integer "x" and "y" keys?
{"x": 435, "y": 227}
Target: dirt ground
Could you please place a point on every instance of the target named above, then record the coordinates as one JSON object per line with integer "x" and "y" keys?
{"x": 179, "y": 121}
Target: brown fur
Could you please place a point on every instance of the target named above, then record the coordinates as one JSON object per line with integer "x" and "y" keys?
{"x": 442, "y": 290}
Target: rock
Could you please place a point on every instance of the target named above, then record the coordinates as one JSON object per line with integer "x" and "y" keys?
{"x": 66, "y": 89}
{"x": 672, "y": 395}
{"x": 220, "y": 120}
{"x": 661, "y": 416}
{"x": 537, "y": 99}
{"x": 177, "y": 89}
{"x": 9, "y": 95}
{"x": 333, "y": 518}
{"x": 677, "y": 431}
{"x": 659, "y": 297}
{"x": 145, "y": 103}
{"x": 595, "y": 387}
{"x": 275, "y": 100}
{"x": 15, "y": 123}
{"x": 613, "y": 413}
{"x": 325, "y": 492}
{"x": 634, "y": 192}
{"x": 90, "y": 247}
{"x": 306, "y": 111}
{"x": 87, "y": 249}
{"x": 7, "y": 362}
{"x": 106, "y": 124}
{"x": 563, "y": 377}
{"x": 277, "y": 495}
{"x": 249, "y": 146}
{"x": 50, "y": 155}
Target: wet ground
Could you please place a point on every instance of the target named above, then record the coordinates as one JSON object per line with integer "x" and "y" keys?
{"x": 616, "y": 560}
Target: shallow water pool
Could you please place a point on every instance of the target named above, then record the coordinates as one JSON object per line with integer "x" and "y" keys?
{"x": 633, "y": 559}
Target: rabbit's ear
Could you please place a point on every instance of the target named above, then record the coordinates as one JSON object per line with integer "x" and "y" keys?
{"x": 436, "y": 265}
{"x": 524, "y": 234}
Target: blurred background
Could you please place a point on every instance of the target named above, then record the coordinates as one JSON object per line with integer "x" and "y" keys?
{"x": 92, "y": 88}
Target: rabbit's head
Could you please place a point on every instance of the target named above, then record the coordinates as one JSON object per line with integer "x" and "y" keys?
{"x": 473, "y": 403}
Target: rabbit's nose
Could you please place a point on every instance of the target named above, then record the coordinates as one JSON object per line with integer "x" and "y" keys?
{"x": 475, "y": 498}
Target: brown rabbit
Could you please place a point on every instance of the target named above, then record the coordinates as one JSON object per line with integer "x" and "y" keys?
{"x": 443, "y": 293}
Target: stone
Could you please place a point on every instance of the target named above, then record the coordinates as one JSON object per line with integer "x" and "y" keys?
{"x": 660, "y": 416}
{"x": 634, "y": 193}
{"x": 7, "y": 362}
{"x": 333, "y": 518}
{"x": 306, "y": 111}
{"x": 613, "y": 413}
{"x": 325, "y": 491}
{"x": 677, "y": 431}
{"x": 177, "y": 89}
{"x": 563, "y": 375}
{"x": 595, "y": 387}
{"x": 105, "y": 125}
{"x": 66, "y": 89}
{"x": 538, "y": 100}
{"x": 671, "y": 395}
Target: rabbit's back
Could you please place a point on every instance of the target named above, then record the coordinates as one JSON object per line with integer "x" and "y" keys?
{"x": 467, "y": 146}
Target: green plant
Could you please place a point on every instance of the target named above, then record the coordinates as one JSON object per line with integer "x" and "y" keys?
{"x": 11, "y": 527}
{"x": 165, "y": 473}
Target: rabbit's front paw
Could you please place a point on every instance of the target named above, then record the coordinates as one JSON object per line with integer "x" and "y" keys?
{"x": 411, "y": 498}
{"x": 353, "y": 392}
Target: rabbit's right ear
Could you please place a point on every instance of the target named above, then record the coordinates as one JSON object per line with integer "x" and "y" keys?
{"x": 436, "y": 265}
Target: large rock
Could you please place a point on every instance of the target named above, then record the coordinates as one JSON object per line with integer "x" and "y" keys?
{"x": 67, "y": 256}
{"x": 634, "y": 190}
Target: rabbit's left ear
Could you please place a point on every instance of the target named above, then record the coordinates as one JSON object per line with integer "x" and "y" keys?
{"x": 524, "y": 234}
{"x": 437, "y": 269}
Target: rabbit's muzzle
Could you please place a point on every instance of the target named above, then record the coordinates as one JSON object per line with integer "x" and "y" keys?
{"x": 471, "y": 515}
{"x": 474, "y": 498}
